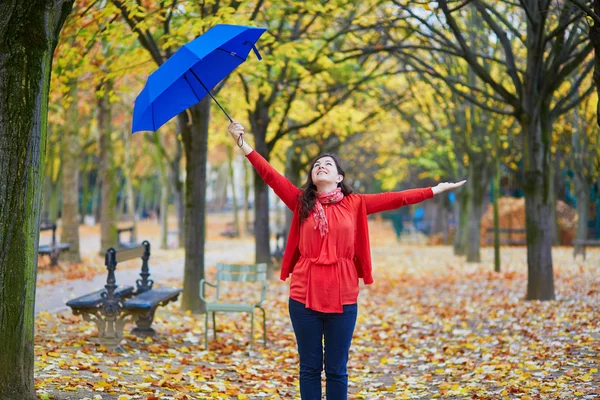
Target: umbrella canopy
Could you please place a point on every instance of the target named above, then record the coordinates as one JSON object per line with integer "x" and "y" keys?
{"x": 189, "y": 75}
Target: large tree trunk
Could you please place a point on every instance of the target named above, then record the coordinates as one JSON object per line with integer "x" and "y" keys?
{"x": 259, "y": 122}
{"x": 582, "y": 190}
{"x": 70, "y": 180}
{"x": 536, "y": 134}
{"x": 247, "y": 178}
{"x": 496, "y": 183}
{"x": 28, "y": 35}
{"x": 178, "y": 190}
{"x": 127, "y": 172}
{"x": 538, "y": 215}
{"x": 51, "y": 194}
{"x": 292, "y": 172}
{"x": 195, "y": 142}
{"x": 236, "y": 216}
{"x": 477, "y": 182}
{"x": 164, "y": 189}
{"x": 460, "y": 236}
{"x": 108, "y": 202}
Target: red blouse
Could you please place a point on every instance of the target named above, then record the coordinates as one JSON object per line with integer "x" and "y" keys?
{"x": 325, "y": 275}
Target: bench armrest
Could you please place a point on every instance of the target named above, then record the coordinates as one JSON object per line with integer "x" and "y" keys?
{"x": 204, "y": 282}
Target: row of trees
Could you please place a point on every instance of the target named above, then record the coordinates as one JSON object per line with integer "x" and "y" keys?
{"x": 401, "y": 90}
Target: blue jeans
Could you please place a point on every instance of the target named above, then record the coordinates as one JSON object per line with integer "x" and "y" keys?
{"x": 310, "y": 326}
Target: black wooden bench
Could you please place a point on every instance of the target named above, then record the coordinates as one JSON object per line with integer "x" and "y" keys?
{"x": 52, "y": 249}
{"x": 114, "y": 306}
{"x": 506, "y": 236}
{"x": 131, "y": 242}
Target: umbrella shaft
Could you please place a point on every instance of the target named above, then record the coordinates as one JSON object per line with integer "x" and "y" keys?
{"x": 210, "y": 94}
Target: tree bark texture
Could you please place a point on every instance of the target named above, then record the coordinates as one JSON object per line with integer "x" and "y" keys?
{"x": 28, "y": 35}
{"x": 478, "y": 179}
{"x": 460, "y": 236}
{"x": 195, "y": 143}
{"x": 108, "y": 202}
{"x": 70, "y": 179}
{"x": 259, "y": 121}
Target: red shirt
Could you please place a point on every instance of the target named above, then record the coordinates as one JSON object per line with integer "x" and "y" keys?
{"x": 326, "y": 270}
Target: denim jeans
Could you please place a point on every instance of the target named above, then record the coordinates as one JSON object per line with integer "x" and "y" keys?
{"x": 310, "y": 327}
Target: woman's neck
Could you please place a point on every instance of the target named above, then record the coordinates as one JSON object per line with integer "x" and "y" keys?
{"x": 326, "y": 187}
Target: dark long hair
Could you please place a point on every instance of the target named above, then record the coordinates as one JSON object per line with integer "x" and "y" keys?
{"x": 308, "y": 197}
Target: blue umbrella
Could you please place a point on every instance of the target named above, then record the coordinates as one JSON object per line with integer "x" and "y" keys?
{"x": 189, "y": 75}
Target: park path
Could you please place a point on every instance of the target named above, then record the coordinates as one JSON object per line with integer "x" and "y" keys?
{"x": 53, "y": 298}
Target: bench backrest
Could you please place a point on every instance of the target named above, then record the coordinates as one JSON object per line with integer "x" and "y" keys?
{"x": 127, "y": 229}
{"x": 242, "y": 273}
{"x": 48, "y": 227}
{"x": 113, "y": 257}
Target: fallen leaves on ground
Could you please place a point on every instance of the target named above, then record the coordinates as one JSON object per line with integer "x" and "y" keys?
{"x": 431, "y": 326}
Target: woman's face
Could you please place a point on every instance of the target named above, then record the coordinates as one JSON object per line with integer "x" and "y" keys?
{"x": 325, "y": 171}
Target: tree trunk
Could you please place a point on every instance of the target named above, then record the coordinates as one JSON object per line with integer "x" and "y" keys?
{"x": 177, "y": 189}
{"x": 247, "y": 178}
{"x": 236, "y": 217}
{"x": 477, "y": 183}
{"x": 195, "y": 142}
{"x": 108, "y": 203}
{"x": 28, "y": 34}
{"x": 259, "y": 122}
{"x": 460, "y": 237}
{"x": 96, "y": 197}
{"x": 496, "y": 183}
{"x": 164, "y": 189}
{"x": 292, "y": 172}
{"x": 553, "y": 202}
{"x": 582, "y": 190}
{"x": 538, "y": 215}
{"x": 164, "y": 213}
{"x": 127, "y": 171}
{"x": 70, "y": 180}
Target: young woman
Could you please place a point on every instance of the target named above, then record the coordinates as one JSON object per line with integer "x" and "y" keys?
{"x": 326, "y": 252}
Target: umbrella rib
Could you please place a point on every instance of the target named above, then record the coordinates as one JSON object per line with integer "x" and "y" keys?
{"x": 234, "y": 54}
{"x": 153, "y": 123}
{"x": 191, "y": 87}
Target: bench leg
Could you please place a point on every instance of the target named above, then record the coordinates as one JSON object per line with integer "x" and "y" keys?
{"x": 54, "y": 258}
{"x": 264, "y": 325}
{"x": 110, "y": 327}
{"x": 214, "y": 326}
{"x": 144, "y": 324}
{"x": 252, "y": 331}
{"x": 206, "y": 330}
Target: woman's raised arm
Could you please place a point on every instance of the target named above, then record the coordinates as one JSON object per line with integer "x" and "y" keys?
{"x": 282, "y": 187}
{"x": 391, "y": 200}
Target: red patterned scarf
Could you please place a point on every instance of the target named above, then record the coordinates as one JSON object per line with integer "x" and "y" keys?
{"x": 318, "y": 212}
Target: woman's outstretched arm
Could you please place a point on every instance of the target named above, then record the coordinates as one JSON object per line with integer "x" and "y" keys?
{"x": 391, "y": 200}
{"x": 282, "y": 187}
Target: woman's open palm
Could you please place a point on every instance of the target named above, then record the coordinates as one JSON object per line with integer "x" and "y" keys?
{"x": 443, "y": 186}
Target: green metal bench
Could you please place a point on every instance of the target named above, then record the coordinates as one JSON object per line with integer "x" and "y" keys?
{"x": 236, "y": 273}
